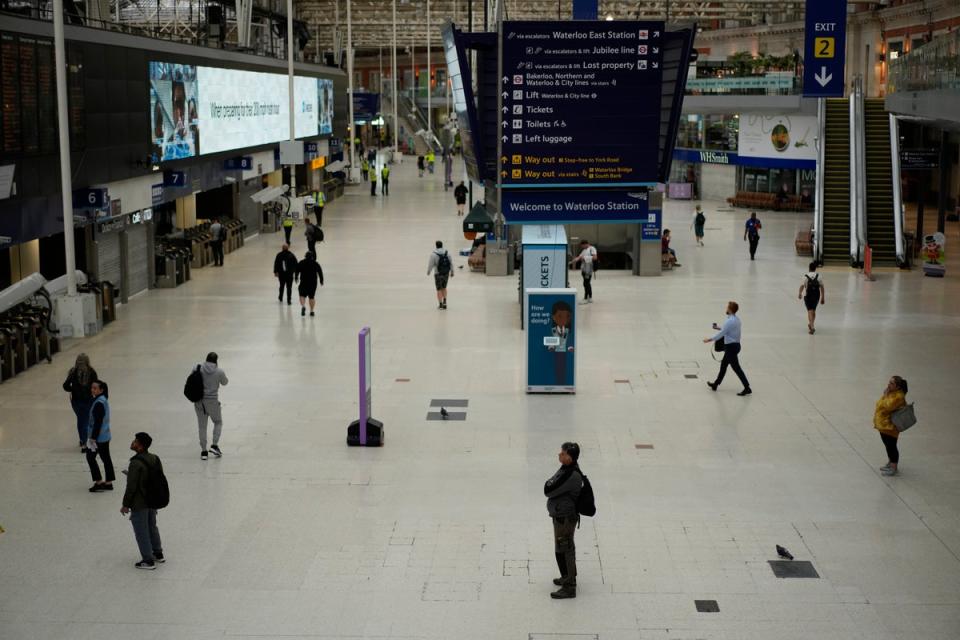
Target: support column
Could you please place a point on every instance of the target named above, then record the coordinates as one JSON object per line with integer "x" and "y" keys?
{"x": 63, "y": 129}
{"x": 352, "y": 125}
{"x": 429, "y": 83}
{"x": 290, "y": 103}
{"x": 396, "y": 86}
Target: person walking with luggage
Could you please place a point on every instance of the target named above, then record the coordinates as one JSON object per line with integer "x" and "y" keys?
{"x": 751, "y": 232}
{"x": 209, "y": 407}
{"x": 78, "y": 382}
{"x": 460, "y": 195}
{"x": 217, "y": 234}
{"x": 442, "y": 267}
{"x": 287, "y": 227}
{"x": 697, "y": 225}
{"x": 284, "y": 266}
{"x": 98, "y": 438}
{"x": 144, "y": 468}
{"x": 894, "y": 397}
{"x": 813, "y": 293}
{"x": 308, "y": 274}
{"x": 373, "y": 179}
{"x": 587, "y": 260}
{"x": 562, "y": 491}
{"x": 385, "y": 180}
{"x": 313, "y": 234}
{"x": 730, "y": 334}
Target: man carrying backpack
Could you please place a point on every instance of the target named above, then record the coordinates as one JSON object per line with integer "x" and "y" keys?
{"x": 813, "y": 293}
{"x": 146, "y": 492}
{"x": 208, "y": 406}
{"x": 313, "y": 234}
{"x": 562, "y": 491}
{"x": 698, "y": 221}
{"x": 441, "y": 264}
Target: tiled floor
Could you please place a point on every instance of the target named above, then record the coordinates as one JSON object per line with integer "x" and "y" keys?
{"x": 443, "y": 534}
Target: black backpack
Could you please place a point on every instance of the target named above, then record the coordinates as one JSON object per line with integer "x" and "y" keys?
{"x": 443, "y": 263}
{"x": 193, "y": 388}
{"x": 813, "y": 289}
{"x": 158, "y": 490}
{"x": 586, "y": 506}
{"x": 700, "y": 219}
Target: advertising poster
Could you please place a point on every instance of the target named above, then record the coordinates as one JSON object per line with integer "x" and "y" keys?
{"x": 779, "y": 137}
{"x": 174, "y": 111}
{"x": 199, "y": 110}
{"x": 551, "y": 340}
{"x": 325, "y": 102}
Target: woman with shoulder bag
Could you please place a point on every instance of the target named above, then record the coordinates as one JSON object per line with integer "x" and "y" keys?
{"x": 77, "y": 384}
{"x": 894, "y": 398}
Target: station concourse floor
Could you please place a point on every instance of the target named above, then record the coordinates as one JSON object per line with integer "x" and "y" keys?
{"x": 443, "y": 532}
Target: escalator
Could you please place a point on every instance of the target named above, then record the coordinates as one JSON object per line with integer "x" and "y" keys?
{"x": 879, "y": 191}
{"x": 835, "y": 242}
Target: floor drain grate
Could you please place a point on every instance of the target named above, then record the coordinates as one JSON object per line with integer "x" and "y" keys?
{"x": 707, "y": 606}
{"x": 793, "y": 569}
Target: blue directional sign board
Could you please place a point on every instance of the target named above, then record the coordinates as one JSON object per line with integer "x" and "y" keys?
{"x": 825, "y": 42}
{"x": 555, "y": 206}
{"x": 580, "y": 103}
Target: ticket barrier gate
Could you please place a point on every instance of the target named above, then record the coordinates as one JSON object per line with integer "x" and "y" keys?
{"x": 15, "y": 334}
{"x": 25, "y": 339}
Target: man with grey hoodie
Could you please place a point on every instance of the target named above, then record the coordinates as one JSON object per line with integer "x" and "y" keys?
{"x": 213, "y": 377}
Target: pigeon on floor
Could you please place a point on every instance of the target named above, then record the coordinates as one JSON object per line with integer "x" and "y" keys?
{"x": 783, "y": 553}
{"x": 444, "y": 413}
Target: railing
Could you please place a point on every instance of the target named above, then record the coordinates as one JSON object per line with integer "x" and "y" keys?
{"x": 930, "y": 67}
{"x": 771, "y": 84}
{"x": 199, "y": 37}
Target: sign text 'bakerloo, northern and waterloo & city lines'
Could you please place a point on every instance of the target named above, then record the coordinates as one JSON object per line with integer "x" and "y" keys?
{"x": 580, "y": 103}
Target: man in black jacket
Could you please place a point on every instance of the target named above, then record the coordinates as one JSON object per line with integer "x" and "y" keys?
{"x": 142, "y": 516}
{"x": 562, "y": 491}
{"x": 284, "y": 266}
{"x": 309, "y": 274}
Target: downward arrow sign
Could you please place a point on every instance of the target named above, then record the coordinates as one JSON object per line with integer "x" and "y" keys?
{"x": 823, "y": 78}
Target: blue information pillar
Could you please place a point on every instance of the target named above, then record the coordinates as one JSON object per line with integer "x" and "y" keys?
{"x": 825, "y": 42}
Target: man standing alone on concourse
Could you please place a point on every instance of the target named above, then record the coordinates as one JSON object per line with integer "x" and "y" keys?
{"x": 730, "y": 334}
{"x": 562, "y": 491}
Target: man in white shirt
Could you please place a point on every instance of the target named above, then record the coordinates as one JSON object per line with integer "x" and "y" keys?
{"x": 730, "y": 334}
{"x": 587, "y": 259}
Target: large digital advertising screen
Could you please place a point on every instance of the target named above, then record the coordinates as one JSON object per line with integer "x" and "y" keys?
{"x": 198, "y": 110}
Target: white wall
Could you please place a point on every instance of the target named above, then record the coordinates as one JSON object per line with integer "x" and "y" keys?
{"x": 134, "y": 194}
{"x": 261, "y": 159}
{"x": 718, "y": 181}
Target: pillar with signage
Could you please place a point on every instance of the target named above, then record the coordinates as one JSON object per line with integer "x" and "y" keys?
{"x": 544, "y": 260}
{"x": 551, "y": 340}
{"x": 367, "y": 431}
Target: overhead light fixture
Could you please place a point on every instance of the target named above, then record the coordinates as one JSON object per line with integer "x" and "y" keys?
{"x": 609, "y": 18}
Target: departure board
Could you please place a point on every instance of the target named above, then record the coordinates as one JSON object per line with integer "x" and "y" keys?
{"x": 29, "y": 130}
{"x": 10, "y": 90}
{"x": 75, "y": 98}
{"x": 47, "y": 98}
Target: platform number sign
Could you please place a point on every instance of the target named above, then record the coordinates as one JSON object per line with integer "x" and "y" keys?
{"x": 824, "y": 47}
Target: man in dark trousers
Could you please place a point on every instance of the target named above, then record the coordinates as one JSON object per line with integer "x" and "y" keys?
{"x": 730, "y": 334}
{"x": 309, "y": 274}
{"x": 284, "y": 266}
{"x": 751, "y": 231}
{"x": 385, "y": 180}
{"x": 142, "y": 517}
{"x": 562, "y": 491}
{"x": 460, "y": 195}
{"x": 217, "y": 235}
{"x": 312, "y": 234}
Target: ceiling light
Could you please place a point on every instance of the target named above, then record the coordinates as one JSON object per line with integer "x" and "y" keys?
{"x": 609, "y": 18}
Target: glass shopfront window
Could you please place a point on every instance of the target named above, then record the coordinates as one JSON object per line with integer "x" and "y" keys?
{"x": 721, "y": 132}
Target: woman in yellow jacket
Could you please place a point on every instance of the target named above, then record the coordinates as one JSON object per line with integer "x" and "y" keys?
{"x": 894, "y": 397}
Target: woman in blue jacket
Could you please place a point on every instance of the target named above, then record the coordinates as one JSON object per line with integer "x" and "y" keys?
{"x": 98, "y": 438}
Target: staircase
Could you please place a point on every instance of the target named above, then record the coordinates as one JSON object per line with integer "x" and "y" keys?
{"x": 835, "y": 242}
{"x": 880, "y": 222}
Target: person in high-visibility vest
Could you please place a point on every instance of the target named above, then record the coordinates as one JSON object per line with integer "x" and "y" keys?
{"x": 431, "y": 159}
{"x": 287, "y": 226}
{"x": 385, "y": 180}
{"x": 373, "y": 179}
{"x": 318, "y": 201}
{"x": 364, "y": 168}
